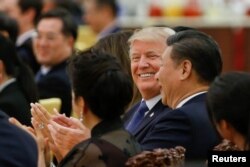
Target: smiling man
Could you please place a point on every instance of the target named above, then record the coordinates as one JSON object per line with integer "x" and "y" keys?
{"x": 146, "y": 48}
{"x": 53, "y": 45}
{"x": 190, "y": 63}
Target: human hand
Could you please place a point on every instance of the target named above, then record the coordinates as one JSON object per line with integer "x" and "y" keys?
{"x": 42, "y": 117}
{"x": 67, "y": 132}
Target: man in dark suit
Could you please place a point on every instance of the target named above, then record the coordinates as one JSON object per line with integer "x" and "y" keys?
{"x": 56, "y": 34}
{"x": 101, "y": 16}
{"x": 190, "y": 63}
{"x": 146, "y": 48}
{"x": 25, "y": 12}
{"x": 18, "y": 148}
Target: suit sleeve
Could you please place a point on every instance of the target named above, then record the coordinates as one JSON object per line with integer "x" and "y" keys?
{"x": 172, "y": 129}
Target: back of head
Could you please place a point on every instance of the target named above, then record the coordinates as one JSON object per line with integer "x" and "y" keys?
{"x": 116, "y": 45}
{"x": 200, "y": 49}
{"x": 228, "y": 99}
{"x": 14, "y": 67}
{"x": 31, "y": 4}
{"x": 8, "y": 27}
{"x": 152, "y": 34}
{"x": 182, "y": 28}
{"x": 69, "y": 25}
{"x": 101, "y": 81}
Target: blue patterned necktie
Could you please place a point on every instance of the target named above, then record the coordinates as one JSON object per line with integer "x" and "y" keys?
{"x": 137, "y": 117}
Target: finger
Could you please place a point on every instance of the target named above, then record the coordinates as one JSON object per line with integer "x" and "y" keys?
{"x": 77, "y": 123}
{"x": 43, "y": 110}
{"x": 55, "y": 111}
{"x": 41, "y": 131}
{"x": 39, "y": 114}
{"x": 59, "y": 128}
{"x": 15, "y": 121}
{"x": 62, "y": 120}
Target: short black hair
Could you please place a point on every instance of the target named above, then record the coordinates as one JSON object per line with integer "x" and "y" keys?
{"x": 228, "y": 99}
{"x": 182, "y": 28}
{"x": 9, "y": 25}
{"x": 200, "y": 49}
{"x": 69, "y": 25}
{"x": 16, "y": 68}
{"x": 28, "y": 4}
{"x": 99, "y": 78}
{"x": 110, "y": 3}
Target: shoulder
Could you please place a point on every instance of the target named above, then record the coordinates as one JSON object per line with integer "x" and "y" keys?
{"x": 18, "y": 140}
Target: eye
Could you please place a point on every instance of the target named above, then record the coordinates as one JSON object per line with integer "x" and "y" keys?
{"x": 135, "y": 58}
{"x": 153, "y": 56}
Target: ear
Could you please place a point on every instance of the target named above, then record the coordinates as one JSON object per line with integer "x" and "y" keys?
{"x": 80, "y": 102}
{"x": 71, "y": 41}
{"x": 225, "y": 130}
{"x": 186, "y": 69}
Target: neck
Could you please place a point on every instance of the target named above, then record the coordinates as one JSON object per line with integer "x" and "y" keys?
{"x": 90, "y": 120}
{"x": 187, "y": 94}
{"x": 4, "y": 78}
{"x": 25, "y": 28}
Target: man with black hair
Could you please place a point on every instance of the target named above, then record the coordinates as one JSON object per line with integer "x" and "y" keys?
{"x": 101, "y": 16}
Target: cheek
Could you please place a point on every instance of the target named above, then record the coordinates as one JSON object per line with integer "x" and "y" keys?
{"x": 133, "y": 68}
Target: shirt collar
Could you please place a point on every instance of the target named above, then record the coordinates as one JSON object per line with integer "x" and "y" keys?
{"x": 5, "y": 84}
{"x": 152, "y": 102}
{"x": 23, "y": 37}
{"x": 189, "y": 98}
{"x": 45, "y": 70}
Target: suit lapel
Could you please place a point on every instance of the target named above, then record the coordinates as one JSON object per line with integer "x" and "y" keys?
{"x": 151, "y": 115}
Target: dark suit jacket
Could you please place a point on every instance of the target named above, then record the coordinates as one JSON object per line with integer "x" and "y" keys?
{"x": 148, "y": 121}
{"x": 18, "y": 148}
{"x": 188, "y": 126}
{"x": 56, "y": 84}
{"x": 26, "y": 53}
{"x": 14, "y": 103}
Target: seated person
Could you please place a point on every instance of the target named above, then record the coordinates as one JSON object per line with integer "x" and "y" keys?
{"x": 53, "y": 45}
{"x": 101, "y": 91}
{"x": 228, "y": 107}
{"x": 18, "y": 148}
{"x": 17, "y": 85}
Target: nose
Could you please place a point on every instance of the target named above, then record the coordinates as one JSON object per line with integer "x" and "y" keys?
{"x": 143, "y": 63}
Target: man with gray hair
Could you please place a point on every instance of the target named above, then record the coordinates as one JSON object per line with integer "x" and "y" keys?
{"x": 146, "y": 47}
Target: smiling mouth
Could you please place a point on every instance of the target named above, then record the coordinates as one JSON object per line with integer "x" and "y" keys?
{"x": 146, "y": 75}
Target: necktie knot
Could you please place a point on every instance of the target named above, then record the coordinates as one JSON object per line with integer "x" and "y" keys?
{"x": 143, "y": 108}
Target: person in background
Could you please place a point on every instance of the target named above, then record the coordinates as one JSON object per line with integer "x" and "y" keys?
{"x": 101, "y": 16}
{"x": 53, "y": 45}
{"x": 26, "y": 13}
{"x": 72, "y": 6}
{"x": 17, "y": 85}
{"x": 146, "y": 48}
{"x": 228, "y": 107}
{"x": 8, "y": 27}
{"x": 190, "y": 63}
{"x": 116, "y": 44}
{"x": 100, "y": 97}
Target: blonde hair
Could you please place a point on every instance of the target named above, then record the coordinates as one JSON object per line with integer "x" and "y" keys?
{"x": 156, "y": 34}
